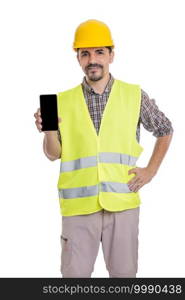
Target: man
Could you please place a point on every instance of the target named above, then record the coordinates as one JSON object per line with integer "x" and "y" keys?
{"x": 98, "y": 143}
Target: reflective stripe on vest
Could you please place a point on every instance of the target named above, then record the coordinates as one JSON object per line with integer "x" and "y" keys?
{"x": 91, "y": 161}
{"x": 86, "y": 191}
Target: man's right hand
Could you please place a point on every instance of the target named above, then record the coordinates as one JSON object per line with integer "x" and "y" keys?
{"x": 38, "y": 121}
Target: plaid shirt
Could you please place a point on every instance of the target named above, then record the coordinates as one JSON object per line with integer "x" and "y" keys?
{"x": 151, "y": 117}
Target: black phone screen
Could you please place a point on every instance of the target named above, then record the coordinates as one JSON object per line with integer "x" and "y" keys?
{"x": 49, "y": 112}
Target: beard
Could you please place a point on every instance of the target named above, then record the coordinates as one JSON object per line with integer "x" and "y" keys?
{"x": 94, "y": 75}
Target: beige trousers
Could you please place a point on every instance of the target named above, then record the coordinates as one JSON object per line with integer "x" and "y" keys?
{"x": 81, "y": 237}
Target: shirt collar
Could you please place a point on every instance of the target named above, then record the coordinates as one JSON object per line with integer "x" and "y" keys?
{"x": 89, "y": 89}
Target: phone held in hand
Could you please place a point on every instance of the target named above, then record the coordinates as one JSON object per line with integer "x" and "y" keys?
{"x": 49, "y": 113}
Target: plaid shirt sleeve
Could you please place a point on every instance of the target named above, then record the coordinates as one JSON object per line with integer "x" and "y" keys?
{"x": 152, "y": 118}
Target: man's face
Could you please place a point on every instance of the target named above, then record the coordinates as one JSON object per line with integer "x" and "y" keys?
{"x": 95, "y": 62}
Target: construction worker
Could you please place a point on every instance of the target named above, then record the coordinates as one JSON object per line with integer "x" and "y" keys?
{"x": 98, "y": 145}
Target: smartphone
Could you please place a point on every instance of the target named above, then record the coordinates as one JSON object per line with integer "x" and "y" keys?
{"x": 49, "y": 112}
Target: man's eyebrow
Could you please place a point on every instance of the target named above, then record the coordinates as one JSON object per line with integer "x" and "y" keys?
{"x": 86, "y": 51}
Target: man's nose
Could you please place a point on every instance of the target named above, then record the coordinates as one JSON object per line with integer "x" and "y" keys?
{"x": 92, "y": 59}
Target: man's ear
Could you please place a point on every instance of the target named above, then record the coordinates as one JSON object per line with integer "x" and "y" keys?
{"x": 111, "y": 56}
{"x": 77, "y": 56}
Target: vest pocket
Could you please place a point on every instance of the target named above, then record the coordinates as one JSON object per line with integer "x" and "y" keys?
{"x": 66, "y": 254}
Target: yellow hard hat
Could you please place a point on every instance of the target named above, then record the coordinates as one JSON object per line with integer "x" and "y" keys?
{"x": 92, "y": 33}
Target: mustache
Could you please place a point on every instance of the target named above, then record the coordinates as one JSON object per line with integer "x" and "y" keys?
{"x": 94, "y": 65}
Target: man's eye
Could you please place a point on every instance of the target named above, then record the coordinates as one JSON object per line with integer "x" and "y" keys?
{"x": 100, "y": 52}
{"x": 84, "y": 54}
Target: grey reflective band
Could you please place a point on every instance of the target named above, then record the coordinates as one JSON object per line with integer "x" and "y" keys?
{"x": 117, "y": 158}
{"x": 93, "y": 190}
{"x": 79, "y": 192}
{"x": 91, "y": 161}
{"x": 76, "y": 164}
{"x": 115, "y": 187}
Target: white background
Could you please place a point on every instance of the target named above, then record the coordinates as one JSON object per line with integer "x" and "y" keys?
{"x": 37, "y": 58}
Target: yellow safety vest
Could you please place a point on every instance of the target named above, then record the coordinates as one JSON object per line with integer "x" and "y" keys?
{"x": 94, "y": 168}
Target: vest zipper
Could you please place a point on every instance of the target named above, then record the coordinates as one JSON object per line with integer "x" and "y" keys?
{"x": 99, "y": 184}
